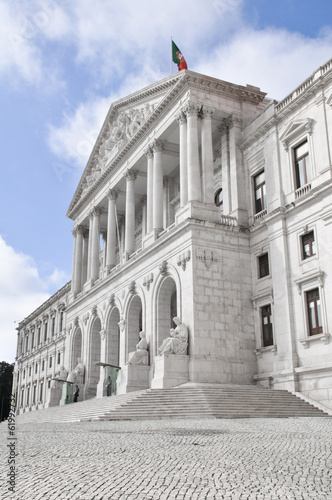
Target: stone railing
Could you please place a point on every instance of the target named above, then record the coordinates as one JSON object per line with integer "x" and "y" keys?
{"x": 321, "y": 71}
{"x": 302, "y": 191}
{"x": 227, "y": 220}
{"x": 260, "y": 215}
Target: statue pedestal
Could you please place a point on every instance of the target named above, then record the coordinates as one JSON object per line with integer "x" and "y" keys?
{"x": 134, "y": 378}
{"x": 67, "y": 393}
{"x": 170, "y": 370}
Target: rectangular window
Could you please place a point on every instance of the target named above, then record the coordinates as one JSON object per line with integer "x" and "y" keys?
{"x": 53, "y": 326}
{"x": 59, "y": 357}
{"x": 29, "y": 371}
{"x": 38, "y": 335}
{"x": 41, "y": 391}
{"x": 61, "y": 321}
{"x": 32, "y": 340}
{"x": 302, "y": 165}
{"x": 43, "y": 365}
{"x": 36, "y": 367}
{"x": 50, "y": 362}
{"x": 263, "y": 265}
{"x": 23, "y": 373}
{"x": 45, "y": 331}
{"x": 314, "y": 312}
{"x": 308, "y": 245}
{"x": 267, "y": 330}
{"x": 260, "y": 192}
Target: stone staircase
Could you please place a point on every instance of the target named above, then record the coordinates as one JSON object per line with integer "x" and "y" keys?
{"x": 187, "y": 401}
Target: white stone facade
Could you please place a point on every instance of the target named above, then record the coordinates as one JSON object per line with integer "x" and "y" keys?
{"x": 250, "y": 278}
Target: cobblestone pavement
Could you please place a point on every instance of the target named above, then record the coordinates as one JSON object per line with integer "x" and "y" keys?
{"x": 242, "y": 459}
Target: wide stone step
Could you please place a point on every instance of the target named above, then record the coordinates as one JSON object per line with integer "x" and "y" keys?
{"x": 182, "y": 402}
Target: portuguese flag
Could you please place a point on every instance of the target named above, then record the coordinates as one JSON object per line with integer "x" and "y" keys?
{"x": 178, "y": 57}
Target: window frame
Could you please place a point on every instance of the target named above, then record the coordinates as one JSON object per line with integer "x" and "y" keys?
{"x": 317, "y": 312}
{"x": 312, "y": 253}
{"x": 259, "y": 265}
{"x": 270, "y": 341}
{"x": 296, "y": 162}
{"x": 262, "y": 189}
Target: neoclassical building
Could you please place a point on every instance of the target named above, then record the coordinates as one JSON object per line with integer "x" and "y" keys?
{"x": 206, "y": 201}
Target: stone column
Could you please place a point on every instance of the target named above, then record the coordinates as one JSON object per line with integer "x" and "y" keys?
{"x": 95, "y": 243}
{"x": 225, "y": 167}
{"x": 85, "y": 255}
{"x": 74, "y": 233}
{"x": 207, "y": 156}
{"x": 149, "y": 191}
{"x": 78, "y": 260}
{"x": 90, "y": 245}
{"x": 237, "y": 177}
{"x": 130, "y": 176}
{"x": 111, "y": 230}
{"x": 194, "y": 174}
{"x": 181, "y": 118}
{"x": 158, "y": 148}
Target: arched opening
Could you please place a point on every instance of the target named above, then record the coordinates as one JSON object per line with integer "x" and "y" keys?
{"x": 113, "y": 338}
{"x": 166, "y": 310}
{"x": 93, "y": 374}
{"x": 77, "y": 348}
{"x": 134, "y": 325}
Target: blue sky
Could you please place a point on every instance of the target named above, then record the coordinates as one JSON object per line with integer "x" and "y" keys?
{"x": 62, "y": 63}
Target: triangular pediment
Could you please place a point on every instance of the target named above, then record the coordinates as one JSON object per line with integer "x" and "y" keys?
{"x": 125, "y": 122}
{"x": 295, "y": 129}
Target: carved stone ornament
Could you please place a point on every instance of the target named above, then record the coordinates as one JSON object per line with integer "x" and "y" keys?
{"x": 86, "y": 318}
{"x": 163, "y": 268}
{"x": 76, "y": 321}
{"x": 183, "y": 259}
{"x": 122, "y": 324}
{"x": 94, "y": 311}
{"x": 102, "y": 334}
{"x": 112, "y": 300}
{"x": 147, "y": 280}
{"x": 132, "y": 288}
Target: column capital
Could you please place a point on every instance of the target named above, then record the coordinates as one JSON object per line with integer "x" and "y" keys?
{"x": 233, "y": 121}
{"x": 190, "y": 109}
{"x": 157, "y": 146}
{"x": 130, "y": 175}
{"x": 96, "y": 211}
{"x": 149, "y": 152}
{"x": 206, "y": 113}
{"x": 181, "y": 118}
{"x": 112, "y": 194}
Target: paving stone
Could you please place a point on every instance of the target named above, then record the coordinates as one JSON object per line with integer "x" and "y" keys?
{"x": 205, "y": 459}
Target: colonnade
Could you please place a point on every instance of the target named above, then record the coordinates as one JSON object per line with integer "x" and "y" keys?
{"x": 196, "y": 185}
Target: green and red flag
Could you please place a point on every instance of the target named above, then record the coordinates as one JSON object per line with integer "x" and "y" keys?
{"x": 178, "y": 57}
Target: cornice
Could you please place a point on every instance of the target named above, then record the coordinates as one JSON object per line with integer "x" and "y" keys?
{"x": 46, "y": 305}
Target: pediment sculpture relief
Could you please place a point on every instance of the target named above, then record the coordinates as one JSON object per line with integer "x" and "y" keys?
{"x": 120, "y": 131}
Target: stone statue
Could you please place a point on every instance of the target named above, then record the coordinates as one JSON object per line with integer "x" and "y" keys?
{"x": 141, "y": 356}
{"x": 63, "y": 373}
{"x": 177, "y": 343}
{"x": 76, "y": 376}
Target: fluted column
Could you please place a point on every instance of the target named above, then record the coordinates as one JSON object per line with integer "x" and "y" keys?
{"x": 149, "y": 191}
{"x": 130, "y": 177}
{"x": 181, "y": 118}
{"x": 158, "y": 148}
{"x": 78, "y": 260}
{"x": 95, "y": 243}
{"x": 194, "y": 175}
{"x": 111, "y": 230}
{"x": 207, "y": 156}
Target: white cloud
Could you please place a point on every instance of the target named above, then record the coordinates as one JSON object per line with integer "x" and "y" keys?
{"x": 275, "y": 60}
{"x": 74, "y": 139}
{"x": 22, "y": 290}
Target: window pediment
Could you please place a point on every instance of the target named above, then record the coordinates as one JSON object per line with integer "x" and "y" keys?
{"x": 295, "y": 129}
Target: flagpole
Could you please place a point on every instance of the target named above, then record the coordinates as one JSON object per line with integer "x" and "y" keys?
{"x": 171, "y": 57}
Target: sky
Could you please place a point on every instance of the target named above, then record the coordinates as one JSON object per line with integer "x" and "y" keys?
{"x": 62, "y": 64}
